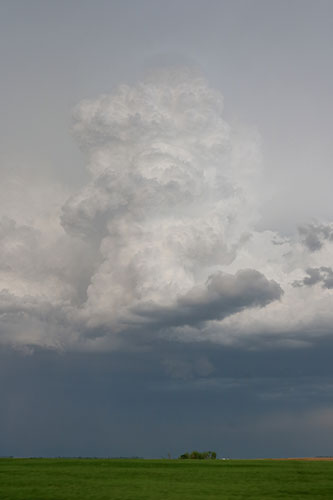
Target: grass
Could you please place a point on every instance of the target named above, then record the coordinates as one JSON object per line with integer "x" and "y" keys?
{"x": 100, "y": 479}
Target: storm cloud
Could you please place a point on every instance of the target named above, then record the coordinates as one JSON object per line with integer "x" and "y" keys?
{"x": 221, "y": 296}
{"x": 166, "y": 249}
{"x": 162, "y": 238}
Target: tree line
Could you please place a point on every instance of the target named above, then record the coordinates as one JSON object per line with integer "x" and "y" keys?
{"x": 197, "y": 455}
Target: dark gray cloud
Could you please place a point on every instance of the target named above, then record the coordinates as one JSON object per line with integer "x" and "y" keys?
{"x": 323, "y": 275}
{"x": 222, "y": 295}
{"x": 241, "y": 403}
{"x": 313, "y": 236}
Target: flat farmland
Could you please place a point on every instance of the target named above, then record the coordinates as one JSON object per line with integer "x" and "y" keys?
{"x": 124, "y": 479}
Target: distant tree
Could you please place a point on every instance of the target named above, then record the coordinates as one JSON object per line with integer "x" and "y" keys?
{"x": 197, "y": 455}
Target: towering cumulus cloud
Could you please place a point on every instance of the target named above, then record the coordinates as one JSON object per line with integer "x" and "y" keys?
{"x": 161, "y": 240}
{"x": 167, "y": 203}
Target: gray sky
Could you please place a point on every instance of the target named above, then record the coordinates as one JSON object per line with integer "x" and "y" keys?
{"x": 166, "y": 228}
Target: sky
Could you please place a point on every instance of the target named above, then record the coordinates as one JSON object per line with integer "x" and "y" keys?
{"x": 166, "y": 254}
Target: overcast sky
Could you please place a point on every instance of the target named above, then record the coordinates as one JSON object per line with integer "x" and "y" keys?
{"x": 166, "y": 253}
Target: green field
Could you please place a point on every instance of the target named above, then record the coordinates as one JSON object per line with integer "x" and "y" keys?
{"x": 99, "y": 479}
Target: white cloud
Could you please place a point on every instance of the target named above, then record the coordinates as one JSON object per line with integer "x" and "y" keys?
{"x": 163, "y": 237}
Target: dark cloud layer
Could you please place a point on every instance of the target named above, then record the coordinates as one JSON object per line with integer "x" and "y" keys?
{"x": 221, "y": 296}
{"x": 123, "y": 404}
